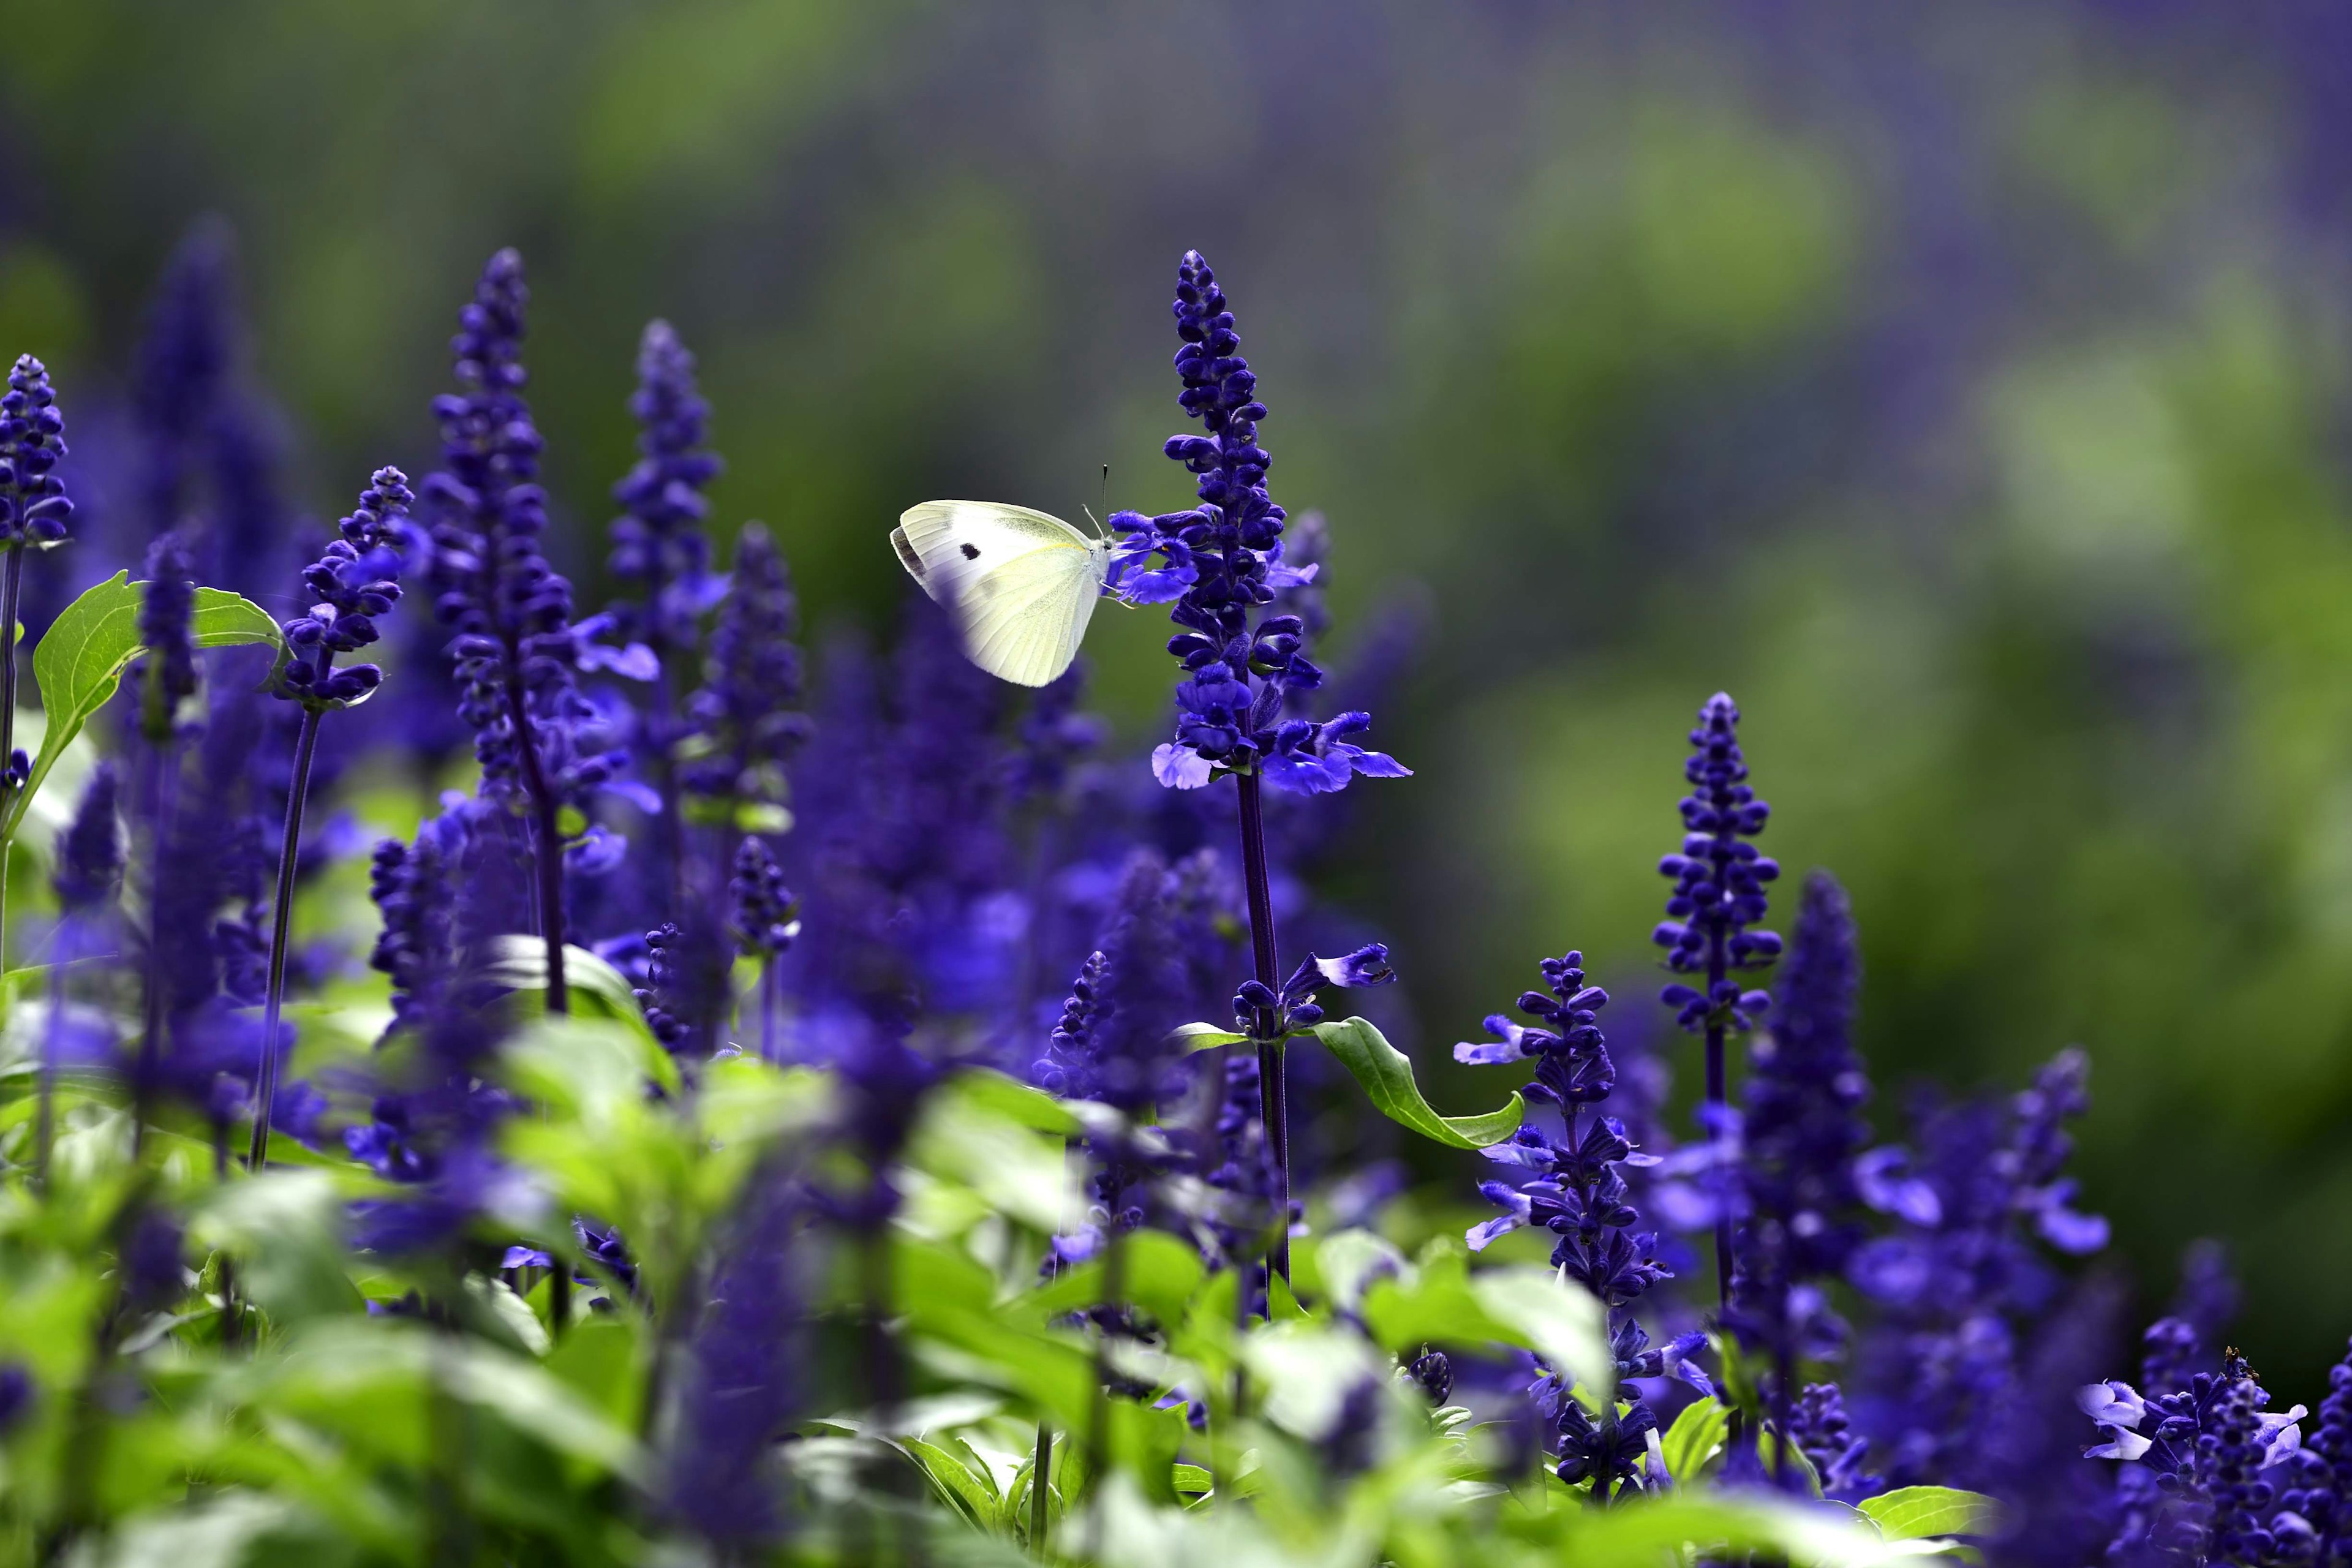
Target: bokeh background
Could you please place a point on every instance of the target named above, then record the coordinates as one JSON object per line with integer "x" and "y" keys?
{"x": 1963, "y": 389}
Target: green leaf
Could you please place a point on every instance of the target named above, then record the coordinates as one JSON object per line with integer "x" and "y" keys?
{"x": 80, "y": 662}
{"x": 1695, "y": 1437}
{"x": 1386, "y": 1076}
{"x": 1190, "y": 1037}
{"x": 1559, "y": 1321}
{"x": 1916, "y": 1513}
{"x": 958, "y": 1487}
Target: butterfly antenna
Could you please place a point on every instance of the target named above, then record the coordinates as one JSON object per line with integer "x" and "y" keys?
{"x": 1104, "y": 501}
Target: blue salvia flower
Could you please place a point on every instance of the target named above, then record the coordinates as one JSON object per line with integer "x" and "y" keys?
{"x": 1961, "y": 1278}
{"x": 686, "y": 994}
{"x": 743, "y": 724}
{"x": 209, "y": 453}
{"x": 514, "y": 650}
{"x": 1799, "y": 1136}
{"x": 1575, "y": 1187}
{"x": 765, "y": 914}
{"x": 2313, "y": 1524}
{"x": 166, "y": 623}
{"x": 659, "y": 547}
{"x": 1053, "y": 738}
{"x": 90, "y": 857}
{"x": 33, "y": 507}
{"x": 1292, "y": 1009}
{"x": 1068, "y": 1068}
{"x": 1221, "y": 564}
{"x": 34, "y": 512}
{"x": 355, "y": 580}
{"x": 414, "y": 893}
{"x": 434, "y": 1117}
{"x": 1720, "y": 881}
{"x": 901, "y": 809}
{"x": 1111, "y": 1045}
{"x": 741, "y": 1384}
{"x": 1821, "y": 1430}
{"x": 2208, "y": 1473}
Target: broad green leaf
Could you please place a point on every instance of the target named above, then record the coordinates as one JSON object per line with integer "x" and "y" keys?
{"x": 1386, "y": 1076}
{"x": 1695, "y": 1437}
{"x": 1016, "y": 1102}
{"x": 80, "y": 661}
{"x": 1916, "y": 1513}
{"x": 286, "y": 1233}
{"x": 1158, "y": 1273}
{"x": 1024, "y": 1174}
{"x": 1190, "y": 1037}
{"x": 1559, "y": 1321}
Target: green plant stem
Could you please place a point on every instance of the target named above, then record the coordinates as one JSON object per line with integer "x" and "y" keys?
{"x": 151, "y": 1040}
{"x": 12, "y": 587}
{"x": 306, "y": 747}
{"x": 1272, "y": 1098}
{"x": 45, "y": 1126}
{"x": 1715, "y": 971}
{"x": 1041, "y": 1472}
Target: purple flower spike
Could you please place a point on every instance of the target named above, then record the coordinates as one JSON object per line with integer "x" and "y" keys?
{"x": 1221, "y": 564}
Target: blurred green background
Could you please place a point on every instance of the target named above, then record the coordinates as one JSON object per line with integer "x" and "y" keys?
{"x": 1963, "y": 389}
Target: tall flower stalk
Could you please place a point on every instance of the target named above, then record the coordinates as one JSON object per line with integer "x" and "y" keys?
{"x": 167, "y": 679}
{"x": 1719, "y": 880}
{"x": 660, "y": 550}
{"x": 1222, "y": 565}
{"x": 34, "y": 510}
{"x": 1801, "y": 1133}
{"x": 355, "y": 581}
{"x": 515, "y": 647}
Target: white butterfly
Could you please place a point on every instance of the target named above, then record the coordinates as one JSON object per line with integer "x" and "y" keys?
{"x": 1020, "y": 584}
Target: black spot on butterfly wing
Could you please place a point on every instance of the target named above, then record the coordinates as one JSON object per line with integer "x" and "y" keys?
{"x": 970, "y": 552}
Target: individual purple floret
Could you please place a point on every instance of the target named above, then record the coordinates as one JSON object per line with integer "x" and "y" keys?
{"x": 1799, "y": 1135}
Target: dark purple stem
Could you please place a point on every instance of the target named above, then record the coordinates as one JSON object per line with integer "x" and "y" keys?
{"x": 1715, "y": 970}
{"x": 306, "y": 746}
{"x": 1272, "y": 1107}
{"x": 547, "y": 853}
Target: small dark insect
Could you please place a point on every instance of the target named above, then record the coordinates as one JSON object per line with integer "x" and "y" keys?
{"x": 972, "y": 552}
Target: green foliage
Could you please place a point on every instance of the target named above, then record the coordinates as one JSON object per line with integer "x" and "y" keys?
{"x": 1385, "y": 1074}
{"x": 1919, "y": 1513}
{"x": 80, "y": 662}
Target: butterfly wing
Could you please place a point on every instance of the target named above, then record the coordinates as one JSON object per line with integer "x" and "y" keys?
{"x": 1020, "y": 584}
